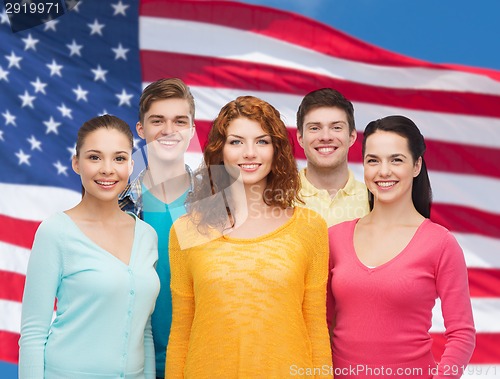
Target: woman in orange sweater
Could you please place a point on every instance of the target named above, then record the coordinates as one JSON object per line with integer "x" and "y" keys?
{"x": 249, "y": 270}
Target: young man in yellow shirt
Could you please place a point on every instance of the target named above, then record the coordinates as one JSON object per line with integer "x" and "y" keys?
{"x": 326, "y": 131}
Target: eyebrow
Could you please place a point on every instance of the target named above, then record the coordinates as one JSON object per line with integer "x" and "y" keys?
{"x": 162, "y": 116}
{"x": 237, "y": 136}
{"x": 330, "y": 123}
{"x": 100, "y": 152}
{"x": 390, "y": 156}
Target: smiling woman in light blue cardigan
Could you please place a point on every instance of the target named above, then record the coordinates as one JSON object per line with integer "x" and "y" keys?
{"x": 102, "y": 325}
{"x": 99, "y": 263}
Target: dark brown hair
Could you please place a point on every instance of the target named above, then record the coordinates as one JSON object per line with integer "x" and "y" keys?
{"x": 421, "y": 192}
{"x": 325, "y": 97}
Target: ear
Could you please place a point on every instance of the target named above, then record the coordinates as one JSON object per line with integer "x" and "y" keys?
{"x": 300, "y": 138}
{"x": 417, "y": 167}
{"x": 74, "y": 164}
{"x": 192, "y": 131}
{"x": 352, "y": 137}
{"x": 131, "y": 167}
{"x": 140, "y": 130}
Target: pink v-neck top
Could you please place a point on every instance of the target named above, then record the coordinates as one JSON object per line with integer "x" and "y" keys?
{"x": 382, "y": 315}
{"x": 102, "y": 325}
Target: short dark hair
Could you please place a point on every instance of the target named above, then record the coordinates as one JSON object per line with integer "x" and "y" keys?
{"x": 169, "y": 88}
{"x": 421, "y": 192}
{"x": 325, "y": 97}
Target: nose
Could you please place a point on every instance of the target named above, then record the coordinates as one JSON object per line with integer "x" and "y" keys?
{"x": 325, "y": 134}
{"x": 385, "y": 169}
{"x": 169, "y": 128}
{"x": 249, "y": 151}
{"x": 106, "y": 167}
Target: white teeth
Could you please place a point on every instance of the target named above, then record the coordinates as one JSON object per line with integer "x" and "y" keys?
{"x": 105, "y": 183}
{"x": 385, "y": 184}
{"x": 249, "y": 166}
{"x": 326, "y": 149}
{"x": 168, "y": 143}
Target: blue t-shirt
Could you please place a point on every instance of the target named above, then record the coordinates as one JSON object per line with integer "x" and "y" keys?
{"x": 161, "y": 216}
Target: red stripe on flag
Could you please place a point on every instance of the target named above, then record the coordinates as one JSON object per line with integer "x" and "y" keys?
{"x": 486, "y": 350}
{"x": 11, "y": 286}
{"x": 18, "y": 232}
{"x": 449, "y": 157}
{"x": 227, "y": 73}
{"x": 9, "y": 348}
{"x": 466, "y": 220}
{"x": 289, "y": 27}
{"x": 484, "y": 282}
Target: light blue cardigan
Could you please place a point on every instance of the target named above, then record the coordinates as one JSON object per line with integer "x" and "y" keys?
{"x": 102, "y": 325}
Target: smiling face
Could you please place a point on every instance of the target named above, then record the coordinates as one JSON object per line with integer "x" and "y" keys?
{"x": 248, "y": 151}
{"x": 167, "y": 128}
{"x": 389, "y": 168}
{"x": 104, "y": 163}
{"x": 325, "y": 137}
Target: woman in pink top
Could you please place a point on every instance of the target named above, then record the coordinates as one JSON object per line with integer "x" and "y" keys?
{"x": 388, "y": 268}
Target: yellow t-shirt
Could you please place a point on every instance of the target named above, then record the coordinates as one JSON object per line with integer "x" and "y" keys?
{"x": 349, "y": 202}
{"x": 251, "y": 308}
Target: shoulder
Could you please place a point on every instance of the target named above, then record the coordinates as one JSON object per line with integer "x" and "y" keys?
{"x": 310, "y": 216}
{"x": 187, "y": 234}
{"x": 53, "y": 225}
{"x": 354, "y": 184}
{"x": 342, "y": 227}
{"x": 144, "y": 227}
{"x": 437, "y": 232}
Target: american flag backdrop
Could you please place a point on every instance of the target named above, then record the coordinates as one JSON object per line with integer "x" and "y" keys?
{"x": 97, "y": 57}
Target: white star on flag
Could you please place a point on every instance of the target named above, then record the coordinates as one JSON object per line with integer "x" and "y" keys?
{"x": 13, "y": 60}
{"x": 9, "y": 118}
{"x": 81, "y": 94}
{"x": 61, "y": 169}
{"x": 30, "y": 42}
{"x": 96, "y": 28}
{"x": 23, "y": 158}
{"x": 119, "y": 8}
{"x": 55, "y": 69}
{"x": 39, "y": 86}
{"x": 72, "y": 151}
{"x": 66, "y": 112}
{"x": 120, "y": 52}
{"x": 99, "y": 73}
{"x": 27, "y": 100}
{"x": 124, "y": 97}
{"x": 35, "y": 144}
{"x": 3, "y": 74}
{"x": 52, "y": 126}
{"x": 4, "y": 19}
{"x": 74, "y": 49}
{"x": 50, "y": 24}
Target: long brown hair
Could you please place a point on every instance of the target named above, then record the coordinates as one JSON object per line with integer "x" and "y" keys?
{"x": 283, "y": 183}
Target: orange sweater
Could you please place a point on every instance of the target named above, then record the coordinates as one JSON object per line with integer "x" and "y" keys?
{"x": 250, "y": 308}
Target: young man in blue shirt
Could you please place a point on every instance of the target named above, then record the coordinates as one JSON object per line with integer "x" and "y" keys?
{"x": 158, "y": 194}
